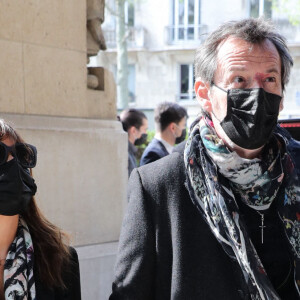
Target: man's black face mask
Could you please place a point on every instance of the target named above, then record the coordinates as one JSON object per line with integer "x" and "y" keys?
{"x": 181, "y": 138}
{"x": 142, "y": 140}
{"x": 16, "y": 188}
{"x": 251, "y": 116}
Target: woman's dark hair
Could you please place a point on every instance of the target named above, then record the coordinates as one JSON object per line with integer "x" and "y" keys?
{"x": 50, "y": 244}
{"x": 167, "y": 113}
{"x": 132, "y": 117}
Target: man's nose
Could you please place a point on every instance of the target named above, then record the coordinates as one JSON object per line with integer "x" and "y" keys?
{"x": 257, "y": 81}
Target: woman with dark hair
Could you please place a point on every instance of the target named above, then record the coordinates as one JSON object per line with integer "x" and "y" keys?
{"x": 35, "y": 260}
{"x": 135, "y": 123}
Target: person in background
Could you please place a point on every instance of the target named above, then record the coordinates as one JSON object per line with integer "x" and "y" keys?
{"x": 221, "y": 218}
{"x": 36, "y": 262}
{"x": 170, "y": 123}
{"x": 135, "y": 123}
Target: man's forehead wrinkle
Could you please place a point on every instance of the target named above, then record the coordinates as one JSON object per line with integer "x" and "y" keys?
{"x": 238, "y": 55}
{"x": 235, "y": 62}
{"x": 232, "y": 53}
{"x": 273, "y": 62}
{"x": 234, "y": 68}
{"x": 238, "y": 47}
{"x": 274, "y": 70}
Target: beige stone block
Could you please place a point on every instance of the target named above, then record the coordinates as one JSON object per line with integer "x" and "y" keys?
{"x": 95, "y": 9}
{"x": 11, "y": 19}
{"x": 102, "y": 104}
{"x": 11, "y": 77}
{"x": 81, "y": 173}
{"x": 97, "y": 72}
{"x": 55, "y": 81}
{"x": 60, "y": 23}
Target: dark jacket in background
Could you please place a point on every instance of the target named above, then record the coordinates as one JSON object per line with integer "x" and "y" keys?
{"x": 131, "y": 158}
{"x": 166, "y": 249}
{"x": 154, "y": 151}
{"x": 71, "y": 279}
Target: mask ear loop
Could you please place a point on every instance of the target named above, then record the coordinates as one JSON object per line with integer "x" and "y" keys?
{"x": 226, "y": 91}
{"x": 213, "y": 84}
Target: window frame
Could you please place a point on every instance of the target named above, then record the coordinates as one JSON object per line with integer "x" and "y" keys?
{"x": 261, "y": 9}
{"x": 126, "y": 13}
{"x": 191, "y": 93}
{"x": 185, "y": 26}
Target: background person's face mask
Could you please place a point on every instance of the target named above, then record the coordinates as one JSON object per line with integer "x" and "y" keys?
{"x": 251, "y": 116}
{"x": 181, "y": 138}
{"x": 141, "y": 140}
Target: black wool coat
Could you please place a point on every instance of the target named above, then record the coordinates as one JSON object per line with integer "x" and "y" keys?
{"x": 166, "y": 249}
{"x": 71, "y": 279}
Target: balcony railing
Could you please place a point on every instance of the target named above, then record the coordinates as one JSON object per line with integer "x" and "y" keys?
{"x": 135, "y": 37}
{"x": 185, "y": 34}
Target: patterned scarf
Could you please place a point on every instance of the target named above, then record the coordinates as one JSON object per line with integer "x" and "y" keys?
{"x": 216, "y": 175}
{"x": 18, "y": 269}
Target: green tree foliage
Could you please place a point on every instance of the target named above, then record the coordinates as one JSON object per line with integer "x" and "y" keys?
{"x": 289, "y": 7}
{"x": 141, "y": 148}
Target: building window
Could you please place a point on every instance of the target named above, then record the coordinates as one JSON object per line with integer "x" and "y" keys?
{"x": 186, "y": 82}
{"x": 186, "y": 20}
{"x": 129, "y": 13}
{"x": 260, "y": 8}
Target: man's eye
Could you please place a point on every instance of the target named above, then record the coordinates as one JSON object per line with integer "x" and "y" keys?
{"x": 270, "y": 79}
{"x": 238, "y": 79}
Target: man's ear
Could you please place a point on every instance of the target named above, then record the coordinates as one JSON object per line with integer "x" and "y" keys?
{"x": 202, "y": 95}
{"x": 131, "y": 131}
{"x": 172, "y": 127}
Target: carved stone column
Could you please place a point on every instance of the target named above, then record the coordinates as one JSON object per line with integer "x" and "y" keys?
{"x": 95, "y": 39}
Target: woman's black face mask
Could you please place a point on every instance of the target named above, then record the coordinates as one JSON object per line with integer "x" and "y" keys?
{"x": 251, "y": 116}
{"x": 16, "y": 184}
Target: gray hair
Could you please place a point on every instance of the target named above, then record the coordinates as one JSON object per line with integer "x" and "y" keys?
{"x": 254, "y": 31}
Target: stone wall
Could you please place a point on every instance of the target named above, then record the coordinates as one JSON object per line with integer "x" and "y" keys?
{"x": 43, "y": 61}
{"x": 82, "y": 149}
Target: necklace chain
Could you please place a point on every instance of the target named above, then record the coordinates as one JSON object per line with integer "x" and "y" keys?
{"x": 262, "y": 225}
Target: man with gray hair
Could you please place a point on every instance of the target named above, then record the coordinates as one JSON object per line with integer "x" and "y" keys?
{"x": 221, "y": 218}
